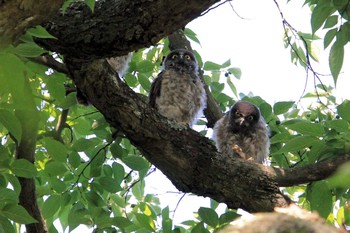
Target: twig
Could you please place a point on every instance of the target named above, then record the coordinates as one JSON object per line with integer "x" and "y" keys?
{"x": 50, "y": 62}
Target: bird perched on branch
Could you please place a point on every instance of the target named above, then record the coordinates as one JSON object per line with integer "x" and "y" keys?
{"x": 178, "y": 92}
{"x": 242, "y": 132}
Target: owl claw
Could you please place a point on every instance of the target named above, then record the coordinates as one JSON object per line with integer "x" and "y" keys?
{"x": 238, "y": 150}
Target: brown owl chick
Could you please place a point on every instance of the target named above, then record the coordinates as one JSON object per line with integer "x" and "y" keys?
{"x": 177, "y": 92}
{"x": 243, "y": 132}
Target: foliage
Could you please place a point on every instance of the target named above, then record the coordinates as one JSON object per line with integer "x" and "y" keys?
{"x": 87, "y": 173}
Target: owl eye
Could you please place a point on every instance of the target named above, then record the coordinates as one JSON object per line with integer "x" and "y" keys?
{"x": 237, "y": 113}
{"x": 250, "y": 118}
{"x": 187, "y": 57}
{"x": 174, "y": 56}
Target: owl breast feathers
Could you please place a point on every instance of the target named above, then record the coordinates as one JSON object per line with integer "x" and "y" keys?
{"x": 243, "y": 133}
{"x": 177, "y": 92}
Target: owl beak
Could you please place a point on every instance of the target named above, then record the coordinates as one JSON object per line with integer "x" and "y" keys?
{"x": 241, "y": 120}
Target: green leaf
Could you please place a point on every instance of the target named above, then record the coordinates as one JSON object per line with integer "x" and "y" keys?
{"x": 328, "y": 38}
{"x": 74, "y": 159}
{"x": 121, "y": 222}
{"x": 90, "y": 4}
{"x": 6, "y": 226}
{"x": 55, "y": 168}
{"x": 336, "y": 57}
{"x": 23, "y": 168}
{"x": 236, "y": 72}
{"x": 109, "y": 184}
{"x": 320, "y": 198}
{"x": 145, "y": 66}
{"x": 40, "y": 32}
{"x": 17, "y": 214}
{"x": 191, "y": 35}
{"x": 307, "y": 128}
{"x": 56, "y": 149}
{"x": 58, "y": 185}
{"x": 208, "y": 65}
{"x": 331, "y": 21}
{"x": 228, "y": 217}
{"x": 83, "y": 144}
{"x": 131, "y": 80}
{"x": 11, "y": 123}
{"x": 8, "y": 196}
{"x": 282, "y": 107}
{"x": 146, "y": 221}
{"x": 319, "y": 15}
{"x": 29, "y": 50}
{"x": 209, "y": 216}
{"x": 226, "y": 63}
{"x": 144, "y": 81}
{"x": 199, "y": 228}
{"x": 339, "y": 125}
{"x": 51, "y": 206}
{"x": 344, "y": 110}
{"x": 340, "y": 179}
{"x": 136, "y": 162}
{"x": 298, "y": 143}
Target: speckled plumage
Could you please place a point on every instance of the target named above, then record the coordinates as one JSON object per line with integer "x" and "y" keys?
{"x": 177, "y": 92}
{"x": 242, "y": 132}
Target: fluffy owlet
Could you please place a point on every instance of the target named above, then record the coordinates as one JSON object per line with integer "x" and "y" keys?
{"x": 243, "y": 132}
{"x": 177, "y": 92}
{"x": 119, "y": 65}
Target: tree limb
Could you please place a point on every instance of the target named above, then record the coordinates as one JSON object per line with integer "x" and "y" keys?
{"x": 16, "y": 16}
{"x": 117, "y": 27}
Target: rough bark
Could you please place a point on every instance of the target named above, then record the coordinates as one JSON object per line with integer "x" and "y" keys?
{"x": 117, "y": 27}
{"x": 18, "y": 15}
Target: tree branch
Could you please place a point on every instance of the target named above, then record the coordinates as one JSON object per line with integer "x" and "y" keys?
{"x": 29, "y": 118}
{"x": 18, "y": 16}
{"x": 50, "y": 62}
{"x": 117, "y": 27}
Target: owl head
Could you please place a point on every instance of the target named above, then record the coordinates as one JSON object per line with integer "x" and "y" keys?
{"x": 181, "y": 60}
{"x": 243, "y": 116}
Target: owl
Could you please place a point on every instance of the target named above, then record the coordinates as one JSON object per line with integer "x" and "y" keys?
{"x": 242, "y": 132}
{"x": 118, "y": 64}
{"x": 178, "y": 92}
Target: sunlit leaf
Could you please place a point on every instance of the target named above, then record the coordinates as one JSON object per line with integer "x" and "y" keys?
{"x": 29, "y": 50}
{"x": 11, "y": 123}
{"x": 344, "y": 110}
{"x": 51, "y": 206}
{"x": 136, "y": 162}
{"x": 191, "y": 35}
{"x": 208, "y": 65}
{"x": 298, "y": 143}
{"x": 109, "y": 184}
{"x": 307, "y": 128}
{"x": 319, "y": 15}
{"x": 91, "y": 4}
{"x": 17, "y": 214}
{"x": 56, "y": 149}
{"x": 328, "y": 38}
{"x": 320, "y": 198}
{"x": 336, "y": 56}
{"x": 282, "y": 107}
{"x": 23, "y": 168}
{"x": 40, "y": 32}
{"x": 236, "y": 72}
{"x": 209, "y": 216}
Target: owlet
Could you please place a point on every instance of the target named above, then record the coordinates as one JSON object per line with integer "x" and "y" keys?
{"x": 178, "y": 92}
{"x": 242, "y": 132}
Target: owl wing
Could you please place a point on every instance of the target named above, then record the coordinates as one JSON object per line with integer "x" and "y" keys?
{"x": 155, "y": 90}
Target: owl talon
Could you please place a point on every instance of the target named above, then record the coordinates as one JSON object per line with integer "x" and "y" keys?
{"x": 238, "y": 150}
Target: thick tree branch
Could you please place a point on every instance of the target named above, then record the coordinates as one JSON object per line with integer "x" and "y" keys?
{"x": 117, "y": 27}
{"x": 18, "y": 15}
{"x": 188, "y": 159}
